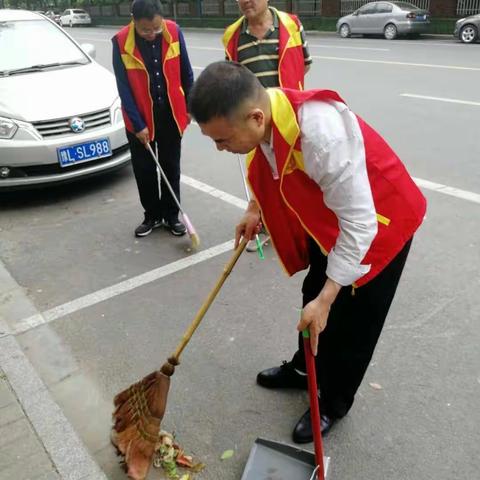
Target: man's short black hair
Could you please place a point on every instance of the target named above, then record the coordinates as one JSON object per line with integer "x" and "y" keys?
{"x": 146, "y": 9}
{"x": 221, "y": 89}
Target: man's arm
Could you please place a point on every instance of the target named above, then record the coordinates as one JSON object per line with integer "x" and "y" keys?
{"x": 334, "y": 156}
{"x": 185, "y": 66}
{"x": 124, "y": 90}
{"x": 307, "y": 59}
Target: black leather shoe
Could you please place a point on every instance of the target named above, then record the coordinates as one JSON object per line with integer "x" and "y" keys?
{"x": 302, "y": 433}
{"x": 284, "y": 376}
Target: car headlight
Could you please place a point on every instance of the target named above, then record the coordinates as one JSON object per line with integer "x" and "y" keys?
{"x": 8, "y": 128}
{"x": 117, "y": 116}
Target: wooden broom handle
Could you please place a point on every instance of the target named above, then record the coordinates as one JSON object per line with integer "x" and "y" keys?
{"x": 209, "y": 300}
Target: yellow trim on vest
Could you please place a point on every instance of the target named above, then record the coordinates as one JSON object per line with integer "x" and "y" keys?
{"x": 173, "y": 50}
{"x": 131, "y": 63}
{"x": 229, "y": 33}
{"x": 285, "y": 120}
{"x": 295, "y": 39}
{"x": 382, "y": 219}
{"x": 283, "y": 116}
{"x": 130, "y": 49}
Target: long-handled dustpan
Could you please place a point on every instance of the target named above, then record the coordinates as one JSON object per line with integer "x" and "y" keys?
{"x": 270, "y": 459}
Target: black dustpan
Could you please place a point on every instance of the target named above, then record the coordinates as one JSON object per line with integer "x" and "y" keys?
{"x": 269, "y": 460}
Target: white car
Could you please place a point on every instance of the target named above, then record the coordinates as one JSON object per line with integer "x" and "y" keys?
{"x": 75, "y": 16}
{"x": 60, "y": 113}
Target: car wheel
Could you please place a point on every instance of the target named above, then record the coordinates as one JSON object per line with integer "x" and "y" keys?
{"x": 344, "y": 30}
{"x": 390, "y": 31}
{"x": 468, "y": 34}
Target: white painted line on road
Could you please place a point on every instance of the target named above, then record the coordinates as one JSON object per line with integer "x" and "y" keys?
{"x": 92, "y": 39}
{"x": 197, "y": 68}
{"x": 119, "y": 288}
{"x": 402, "y": 64}
{"x": 161, "y": 272}
{"x": 220, "y": 194}
{"x": 440, "y": 99}
{"x": 349, "y": 48}
{"x": 192, "y": 47}
{"x": 445, "y": 189}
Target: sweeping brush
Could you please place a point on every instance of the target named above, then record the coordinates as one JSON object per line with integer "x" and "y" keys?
{"x": 140, "y": 408}
{"x": 192, "y": 233}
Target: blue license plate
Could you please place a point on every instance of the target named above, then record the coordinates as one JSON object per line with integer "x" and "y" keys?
{"x": 84, "y": 152}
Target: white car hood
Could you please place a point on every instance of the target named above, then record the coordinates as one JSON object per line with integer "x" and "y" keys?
{"x": 52, "y": 94}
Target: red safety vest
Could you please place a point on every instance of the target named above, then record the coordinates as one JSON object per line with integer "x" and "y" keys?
{"x": 291, "y": 63}
{"x": 139, "y": 80}
{"x": 292, "y": 206}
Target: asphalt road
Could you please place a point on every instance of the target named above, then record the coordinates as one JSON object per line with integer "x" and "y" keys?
{"x": 73, "y": 250}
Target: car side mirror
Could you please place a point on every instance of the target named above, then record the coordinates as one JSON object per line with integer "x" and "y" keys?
{"x": 89, "y": 49}
{"x": 355, "y": 13}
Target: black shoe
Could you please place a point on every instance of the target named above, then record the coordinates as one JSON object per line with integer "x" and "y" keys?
{"x": 284, "y": 376}
{"x": 176, "y": 228}
{"x": 302, "y": 433}
{"x": 146, "y": 227}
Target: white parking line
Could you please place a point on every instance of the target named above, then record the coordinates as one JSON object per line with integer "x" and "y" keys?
{"x": 348, "y": 48}
{"x": 440, "y": 99}
{"x": 445, "y": 189}
{"x": 119, "y": 288}
{"x": 161, "y": 272}
{"x": 403, "y": 64}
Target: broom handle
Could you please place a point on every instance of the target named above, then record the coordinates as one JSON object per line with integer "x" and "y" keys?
{"x": 162, "y": 173}
{"x": 314, "y": 406}
{"x": 211, "y": 297}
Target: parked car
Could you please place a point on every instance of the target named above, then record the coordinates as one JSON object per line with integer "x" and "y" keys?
{"x": 75, "y": 16}
{"x": 390, "y": 19}
{"x": 53, "y": 15}
{"x": 60, "y": 113}
{"x": 467, "y": 29}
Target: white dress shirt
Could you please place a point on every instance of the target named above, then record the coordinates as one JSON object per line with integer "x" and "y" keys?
{"x": 334, "y": 157}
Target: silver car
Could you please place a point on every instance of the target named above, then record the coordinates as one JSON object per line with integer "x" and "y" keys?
{"x": 390, "y": 19}
{"x": 60, "y": 114}
{"x": 467, "y": 29}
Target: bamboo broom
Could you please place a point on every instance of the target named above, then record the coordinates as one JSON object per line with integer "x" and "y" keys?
{"x": 140, "y": 408}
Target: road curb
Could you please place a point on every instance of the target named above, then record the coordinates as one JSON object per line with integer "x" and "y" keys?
{"x": 68, "y": 454}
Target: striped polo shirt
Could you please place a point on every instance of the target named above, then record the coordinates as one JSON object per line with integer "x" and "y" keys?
{"x": 261, "y": 56}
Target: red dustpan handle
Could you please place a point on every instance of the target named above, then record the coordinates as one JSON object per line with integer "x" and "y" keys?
{"x": 314, "y": 406}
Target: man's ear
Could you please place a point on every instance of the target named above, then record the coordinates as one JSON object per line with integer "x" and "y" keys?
{"x": 258, "y": 116}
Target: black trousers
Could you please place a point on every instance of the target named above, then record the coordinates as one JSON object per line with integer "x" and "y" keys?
{"x": 158, "y": 204}
{"x": 354, "y": 325}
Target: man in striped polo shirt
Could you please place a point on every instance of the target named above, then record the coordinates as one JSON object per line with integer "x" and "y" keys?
{"x": 272, "y": 45}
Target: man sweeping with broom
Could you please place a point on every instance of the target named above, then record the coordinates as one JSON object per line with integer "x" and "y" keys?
{"x": 336, "y": 199}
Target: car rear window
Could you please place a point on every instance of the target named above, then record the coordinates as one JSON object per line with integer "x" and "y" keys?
{"x": 79, "y": 11}
{"x": 406, "y": 6}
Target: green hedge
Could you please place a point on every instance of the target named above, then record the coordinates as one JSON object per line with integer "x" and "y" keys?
{"x": 323, "y": 24}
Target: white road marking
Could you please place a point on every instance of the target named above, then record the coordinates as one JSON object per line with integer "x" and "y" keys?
{"x": 402, "y": 64}
{"x": 194, "y": 47}
{"x": 161, "y": 272}
{"x": 445, "y": 189}
{"x": 220, "y": 194}
{"x": 197, "y": 68}
{"x": 440, "y": 99}
{"x": 312, "y": 45}
{"x": 119, "y": 288}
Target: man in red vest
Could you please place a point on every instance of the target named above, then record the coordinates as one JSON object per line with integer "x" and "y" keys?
{"x": 154, "y": 77}
{"x": 336, "y": 199}
{"x": 272, "y": 45}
